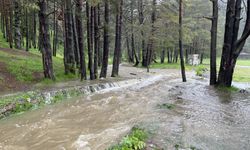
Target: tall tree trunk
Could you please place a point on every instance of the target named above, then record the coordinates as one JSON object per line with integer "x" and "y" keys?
{"x": 27, "y": 29}
{"x": 34, "y": 29}
{"x": 117, "y": 52}
{"x": 213, "y": 70}
{"x": 55, "y": 30}
{"x": 130, "y": 54}
{"x": 90, "y": 35}
{"x": 163, "y": 56}
{"x": 69, "y": 57}
{"x": 141, "y": 21}
{"x": 76, "y": 44}
{"x": 44, "y": 34}
{"x": 150, "y": 46}
{"x": 180, "y": 42}
{"x": 100, "y": 54}
{"x": 17, "y": 24}
{"x": 105, "y": 41}
{"x": 132, "y": 33}
{"x": 79, "y": 27}
{"x": 232, "y": 45}
{"x": 96, "y": 41}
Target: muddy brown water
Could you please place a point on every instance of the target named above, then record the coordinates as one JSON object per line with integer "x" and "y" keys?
{"x": 203, "y": 118}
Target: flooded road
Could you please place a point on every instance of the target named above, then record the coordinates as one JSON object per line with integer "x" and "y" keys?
{"x": 202, "y": 117}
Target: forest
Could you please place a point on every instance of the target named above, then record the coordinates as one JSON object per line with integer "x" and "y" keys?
{"x": 124, "y": 74}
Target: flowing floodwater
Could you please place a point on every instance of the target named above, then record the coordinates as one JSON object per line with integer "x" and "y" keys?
{"x": 203, "y": 118}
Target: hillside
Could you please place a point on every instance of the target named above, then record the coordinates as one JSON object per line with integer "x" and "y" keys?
{"x": 20, "y": 70}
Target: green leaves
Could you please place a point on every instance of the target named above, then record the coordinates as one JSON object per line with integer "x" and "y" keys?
{"x": 134, "y": 141}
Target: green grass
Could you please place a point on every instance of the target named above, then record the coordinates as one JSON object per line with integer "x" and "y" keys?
{"x": 135, "y": 140}
{"x": 24, "y": 67}
{"x": 228, "y": 89}
{"x": 3, "y": 42}
{"x": 240, "y": 74}
{"x": 240, "y": 62}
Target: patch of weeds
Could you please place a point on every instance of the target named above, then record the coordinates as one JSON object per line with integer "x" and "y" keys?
{"x": 193, "y": 148}
{"x": 21, "y": 107}
{"x": 200, "y": 70}
{"x": 177, "y": 146}
{"x": 136, "y": 140}
{"x": 228, "y": 89}
{"x": 166, "y": 106}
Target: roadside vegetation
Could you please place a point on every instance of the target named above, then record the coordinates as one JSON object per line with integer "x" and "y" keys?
{"x": 135, "y": 140}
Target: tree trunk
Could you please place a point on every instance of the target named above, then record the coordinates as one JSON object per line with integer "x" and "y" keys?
{"x": 69, "y": 56}
{"x": 105, "y": 41}
{"x": 141, "y": 21}
{"x": 232, "y": 46}
{"x": 96, "y": 40}
{"x": 213, "y": 70}
{"x": 79, "y": 28}
{"x": 76, "y": 44}
{"x": 34, "y": 29}
{"x": 150, "y": 46}
{"x": 27, "y": 29}
{"x": 89, "y": 13}
{"x": 100, "y": 54}
{"x": 117, "y": 52}
{"x": 163, "y": 56}
{"x": 180, "y": 42}
{"x": 17, "y": 24}
{"x": 55, "y": 28}
{"x": 44, "y": 34}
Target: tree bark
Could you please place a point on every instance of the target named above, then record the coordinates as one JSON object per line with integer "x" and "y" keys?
{"x": 213, "y": 70}
{"x": 45, "y": 42}
{"x": 150, "y": 46}
{"x": 117, "y": 52}
{"x": 180, "y": 42}
{"x": 96, "y": 41}
{"x": 105, "y": 41}
{"x": 69, "y": 56}
{"x": 79, "y": 27}
{"x": 232, "y": 45}
{"x": 90, "y": 35}
{"x": 17, "y": 24}
{"x": 141, "y": 21}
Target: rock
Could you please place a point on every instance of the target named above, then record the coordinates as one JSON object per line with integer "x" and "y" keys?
{"x": 243, "y": 91}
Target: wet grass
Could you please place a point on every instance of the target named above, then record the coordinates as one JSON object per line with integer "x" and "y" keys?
{"x": 135, "y": 140}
